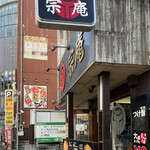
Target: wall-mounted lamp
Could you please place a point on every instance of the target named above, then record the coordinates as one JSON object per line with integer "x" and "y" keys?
{"x": 54, "y": 47}
{"x": 54, "y": 102}
{"x": 91, "y": 88}
{"x": 36, "y": 80}
{"x": 48, "y": 69}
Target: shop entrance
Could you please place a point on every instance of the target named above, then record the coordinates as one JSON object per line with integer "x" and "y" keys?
{"x": 120, "y": 132}
{"x": 121, "y": 124}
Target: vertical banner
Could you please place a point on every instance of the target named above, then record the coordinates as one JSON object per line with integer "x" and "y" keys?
{"x": 8, "y": 115}
{"x": 9, "y": 107}
{"x": 8, "y": 130}
{"x": 139, "y": 123}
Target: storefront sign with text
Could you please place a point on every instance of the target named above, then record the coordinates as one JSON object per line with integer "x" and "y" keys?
{"x": 139, "y": 128}
{"x": 76, "y": 56}
{"x": 139, "y": 141}
{"x": 76, "y": 15}
{"x": 70, "y": 144}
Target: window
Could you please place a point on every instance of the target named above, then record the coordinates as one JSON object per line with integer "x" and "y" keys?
{"x": 8, "y": 20}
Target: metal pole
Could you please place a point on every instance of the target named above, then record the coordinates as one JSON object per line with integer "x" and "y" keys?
{"x": 21, "y": 62}
{"x": 4, "y": 93}
{"x": 17, "y": 124}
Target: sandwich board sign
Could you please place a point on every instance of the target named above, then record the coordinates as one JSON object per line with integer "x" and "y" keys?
{"x": 76, "y": 15}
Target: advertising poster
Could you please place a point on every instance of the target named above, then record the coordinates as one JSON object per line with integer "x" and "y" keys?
{"x": 35, "y": 96}
{"x": 35, "y": 47}
{"x": 8, "y": 107}
{"x": 50, "y": 132}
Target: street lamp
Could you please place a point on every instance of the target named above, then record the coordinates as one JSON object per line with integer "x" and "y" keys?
{"x": 17, "y": 140}
{"x": 54, "y": 47}
{"x": 48, "y": 69}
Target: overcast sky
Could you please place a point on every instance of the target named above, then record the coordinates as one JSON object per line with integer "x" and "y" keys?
{"x": 0, "y": 2}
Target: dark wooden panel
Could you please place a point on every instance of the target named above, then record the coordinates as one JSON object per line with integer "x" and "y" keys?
{"x": 70, "y": 115}
{"x": 121, "y": 91}
{"x": 143, "y": 85}
{"x": 104, "y": 111}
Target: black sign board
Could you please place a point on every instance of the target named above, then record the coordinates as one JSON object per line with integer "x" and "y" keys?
{"x": 77, "y": 15}
{"x": 140, "y": 135}
{"x": 70, "y": 144}
{"x": 81, "y": 47}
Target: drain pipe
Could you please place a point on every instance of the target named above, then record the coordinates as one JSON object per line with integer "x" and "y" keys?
{"x": 21, "y": 60}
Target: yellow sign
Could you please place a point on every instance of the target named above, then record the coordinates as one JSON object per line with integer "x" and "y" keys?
{"x": 9, "y": 107}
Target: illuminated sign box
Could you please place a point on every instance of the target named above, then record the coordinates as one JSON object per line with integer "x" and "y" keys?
{"x": 77, "y": 15}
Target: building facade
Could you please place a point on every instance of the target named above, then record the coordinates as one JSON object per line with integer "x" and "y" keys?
{"x": 8, "y": 56}
{"x": 35, "y": 49}
{"x": 25, "y": 55}
{"x": 111, "y": 64}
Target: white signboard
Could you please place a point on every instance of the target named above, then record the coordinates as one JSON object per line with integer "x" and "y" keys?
{"x": 50, "y": 132}
{"x": 80, "y": 127}
{"x": 35, "y": 47}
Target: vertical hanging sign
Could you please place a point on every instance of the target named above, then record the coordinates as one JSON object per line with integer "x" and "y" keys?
{"x": 139, "y": 123}
{"x": 8, "y": 107}
{"x": 8, "y": 131}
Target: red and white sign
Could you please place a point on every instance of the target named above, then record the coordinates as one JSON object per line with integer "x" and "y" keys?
{"x": 8, "y": 130}
{"x": 62, "y": 77}
{"x": 143, "y": 138}
{"x": 139, "y": 147}
{"x": 139, "y": 141}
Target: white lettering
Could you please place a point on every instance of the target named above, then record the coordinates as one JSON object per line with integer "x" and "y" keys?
{"x": 80, "y": 8}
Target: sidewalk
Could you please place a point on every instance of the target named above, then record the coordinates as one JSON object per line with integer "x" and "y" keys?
{"x": 24, "y": 145}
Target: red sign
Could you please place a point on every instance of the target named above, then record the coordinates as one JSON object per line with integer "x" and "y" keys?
{"x": 139, "y": 147}
{"x": 62, "y": 77}
{"x": 67, "y": 10}
{"x": 143, "y": 138}
{"x": 8, "y": 131}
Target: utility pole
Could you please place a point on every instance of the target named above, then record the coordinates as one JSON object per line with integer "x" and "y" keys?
{"x": 21, "y": 57}
{"x": 17, "y": 124}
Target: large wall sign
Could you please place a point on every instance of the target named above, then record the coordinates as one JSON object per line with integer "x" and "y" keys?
{"x": 35, "y": 47}
{"x": 76, "y": 15}
{"x": 77, "y": 54}
{"x": 75, "y": 61}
